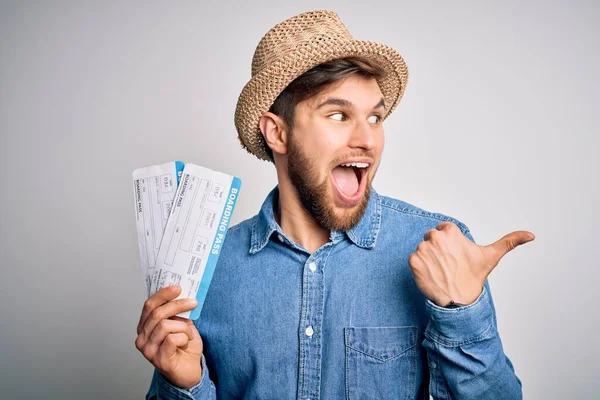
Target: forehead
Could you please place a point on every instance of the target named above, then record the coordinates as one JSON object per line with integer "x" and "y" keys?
{"x": 363, "y": 92}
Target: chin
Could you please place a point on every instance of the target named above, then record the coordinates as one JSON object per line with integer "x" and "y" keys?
{"x": 342, "y": 215}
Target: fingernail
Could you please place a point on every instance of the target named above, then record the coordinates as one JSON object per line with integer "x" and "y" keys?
{"x": 193, "y": 302}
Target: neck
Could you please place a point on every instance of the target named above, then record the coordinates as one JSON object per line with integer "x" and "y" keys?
{"x": 296, "y": 222}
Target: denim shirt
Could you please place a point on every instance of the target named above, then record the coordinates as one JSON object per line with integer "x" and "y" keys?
{"x": 347, "y": 321}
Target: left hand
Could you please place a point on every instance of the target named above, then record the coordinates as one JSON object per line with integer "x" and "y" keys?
{"x": 448, "y": 266}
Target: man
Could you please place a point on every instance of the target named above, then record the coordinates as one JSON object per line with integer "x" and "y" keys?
{"x": 332, "y": 290}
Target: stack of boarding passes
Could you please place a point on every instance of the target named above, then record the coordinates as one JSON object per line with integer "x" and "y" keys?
{"x": 182, "y": 215}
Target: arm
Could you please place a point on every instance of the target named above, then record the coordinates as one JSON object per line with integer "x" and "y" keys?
{"x": 465, "y": 355}
{"x": 466, "y": 359}
{"x": 161, "y": 388}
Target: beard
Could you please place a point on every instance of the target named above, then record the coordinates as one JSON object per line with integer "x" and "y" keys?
{"x": 315, "y": 196}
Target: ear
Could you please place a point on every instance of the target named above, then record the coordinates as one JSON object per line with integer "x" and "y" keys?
{"x": 275, "y": 132}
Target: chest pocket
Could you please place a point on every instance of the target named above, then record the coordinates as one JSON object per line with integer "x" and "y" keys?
{"x": 381, "y": 362}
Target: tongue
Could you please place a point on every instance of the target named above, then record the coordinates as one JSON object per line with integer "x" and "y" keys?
{"x": 346, "y": 180}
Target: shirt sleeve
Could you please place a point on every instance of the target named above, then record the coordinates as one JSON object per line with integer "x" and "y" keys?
{"x": 161, "y": 388}
{"x": 465, "y": 354}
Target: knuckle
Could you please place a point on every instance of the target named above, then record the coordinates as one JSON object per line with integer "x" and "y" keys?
{"x": 413, "y": 260}
{"x": 510, "y": 245}
{"x": 148, "y": 305}
{"x": 161, "y": 326}
{"x": 171, "y": 340}
{"x": 156, "y": 315}
{"x": 139, "y": 343}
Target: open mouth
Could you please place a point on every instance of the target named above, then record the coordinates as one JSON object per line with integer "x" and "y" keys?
{"x": 349, "y": 179}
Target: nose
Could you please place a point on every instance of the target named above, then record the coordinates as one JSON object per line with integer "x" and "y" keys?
{"x": 363, "y": 136}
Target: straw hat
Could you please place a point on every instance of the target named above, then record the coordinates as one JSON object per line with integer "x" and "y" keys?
{"x": 296, "y": 45}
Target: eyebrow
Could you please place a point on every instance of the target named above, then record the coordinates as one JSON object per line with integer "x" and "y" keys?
{"x": 345, "y": 103}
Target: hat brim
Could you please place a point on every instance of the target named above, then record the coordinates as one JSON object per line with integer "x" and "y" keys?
{"x": 262, "y": 90}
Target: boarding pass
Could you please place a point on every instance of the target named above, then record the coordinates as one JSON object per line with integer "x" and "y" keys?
{"x": 197, "y": 223}
{"x": 153, "y": 190}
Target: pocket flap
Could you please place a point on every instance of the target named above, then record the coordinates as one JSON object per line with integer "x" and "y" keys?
{"x": 382, "y": 343}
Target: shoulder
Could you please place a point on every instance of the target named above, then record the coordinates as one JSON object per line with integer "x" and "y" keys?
{"x": 401, "y": 211}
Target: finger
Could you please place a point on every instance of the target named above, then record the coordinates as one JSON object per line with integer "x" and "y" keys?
{"x": 444, "y": 226}
{"x": 169, "y": 347}
{"x": 427, "y": 235}
{"x": 156, "y": 300}
{"x": 158, "y": 335}
{"x": 186, "y": 320}
{"x": 415, "y": 261}
{"x": 506, "y": 243}
{"x": 166, "y": 326}
{"x": 189, "y": 323}
{"x": 166, "y": 311}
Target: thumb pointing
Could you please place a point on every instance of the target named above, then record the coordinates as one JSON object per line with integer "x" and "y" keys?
{"x": 506, "y": 243}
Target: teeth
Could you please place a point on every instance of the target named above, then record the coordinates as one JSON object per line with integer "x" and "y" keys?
{"x": 356, "y": 164}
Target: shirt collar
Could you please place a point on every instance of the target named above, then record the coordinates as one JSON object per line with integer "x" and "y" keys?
{"x": 364, "y": 234}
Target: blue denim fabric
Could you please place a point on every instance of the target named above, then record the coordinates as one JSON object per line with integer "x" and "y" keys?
{"x": 347, "y": 321}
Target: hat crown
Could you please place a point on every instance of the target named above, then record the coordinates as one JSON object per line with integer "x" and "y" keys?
{"x": 310, "y": 29}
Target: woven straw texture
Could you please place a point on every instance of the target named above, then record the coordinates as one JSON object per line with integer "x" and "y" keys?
{"x": 296, "y": 45}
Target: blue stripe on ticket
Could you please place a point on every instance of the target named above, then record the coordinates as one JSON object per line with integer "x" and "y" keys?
{"x": 179, "y": 170}
{"x": 217, "y": 245}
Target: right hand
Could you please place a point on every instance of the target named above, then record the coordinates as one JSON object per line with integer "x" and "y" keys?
{"x": 172, "y": 344}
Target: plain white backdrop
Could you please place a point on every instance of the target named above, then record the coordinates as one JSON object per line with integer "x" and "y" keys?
{"x": 498, "y": 128}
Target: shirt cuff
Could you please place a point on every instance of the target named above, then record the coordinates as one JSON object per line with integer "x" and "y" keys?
{"x": 200, "y": 390}
{"x": 462, "y": 325}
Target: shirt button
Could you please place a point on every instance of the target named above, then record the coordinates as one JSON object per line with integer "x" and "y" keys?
{"x": 309, "y": 331}
{"x": 280, "y": 238}
{"x": 433, "y": 365}
{"x": 312, "y": 266}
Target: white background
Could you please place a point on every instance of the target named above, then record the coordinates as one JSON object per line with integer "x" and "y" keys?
{"x": 498, "y": 128}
